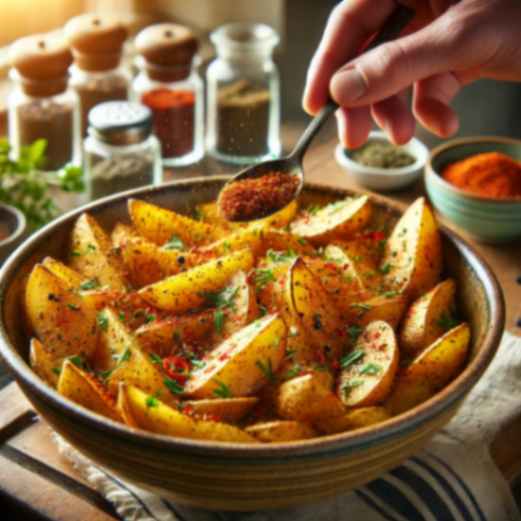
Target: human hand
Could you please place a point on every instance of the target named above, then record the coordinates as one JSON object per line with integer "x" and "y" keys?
{"x": 452, "y": 45}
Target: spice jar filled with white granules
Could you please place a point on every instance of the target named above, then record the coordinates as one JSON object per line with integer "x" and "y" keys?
{"x": 41, "y": 106}
{"x": 97, "y": 74}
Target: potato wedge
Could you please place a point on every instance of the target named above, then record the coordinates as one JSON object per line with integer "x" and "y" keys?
{"x": 159, "y": 225}
{"x": 308, "y": 301}
{"x": 121, "y": 233}
{"x": 146, "y": 263}
{"x": 227, "y": 410}
{"x": 388, "y": 307}
{"x": 59, "y": 317}
{"x": 307, "y": 399}
{"x": 281, "y": 430}
{"x": 44, "y": 363}
{"x": 423, "y": 322}
{"x": 242, "y": 363}
{"x": 131, "y": 364}
{"x": 92, "y": 254}
{"x": 337, "y": 220}
{"x": 165, "y": 337}
{"x": 408, "y": 392}
{"x": 86, "y": 390}
{"x": 413, "y": 256}
{"x": 186, "y": 291}
{"x": 70, "y": 278}
{"x": 368, "y": 371}
{"x": 354, "y": 419}
{"x": 145, "y": 411}
{"x": 440, "y": 362}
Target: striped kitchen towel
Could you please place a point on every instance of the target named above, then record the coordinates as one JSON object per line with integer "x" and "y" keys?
{"x": 453, "y": 479}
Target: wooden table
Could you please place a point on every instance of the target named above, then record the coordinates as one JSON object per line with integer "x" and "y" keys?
{"x": 42, "y": 485}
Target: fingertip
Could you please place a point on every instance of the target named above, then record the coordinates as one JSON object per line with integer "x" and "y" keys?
{"x": 437, "y": 117}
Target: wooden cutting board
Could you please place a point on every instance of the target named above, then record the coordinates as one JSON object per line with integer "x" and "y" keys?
{"x": 43, "y": 485}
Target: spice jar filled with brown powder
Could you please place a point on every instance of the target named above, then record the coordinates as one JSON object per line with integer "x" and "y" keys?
{"x": 243, "y": 95}
{"x": 97, "y": 75}
{"x": 41, "y": 106}
{"x": 170, "y": 86}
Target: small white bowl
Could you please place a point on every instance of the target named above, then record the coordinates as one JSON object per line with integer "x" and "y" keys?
{"x": 385, "y": 179}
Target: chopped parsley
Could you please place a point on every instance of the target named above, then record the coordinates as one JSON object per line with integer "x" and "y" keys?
{"x": 302, "y": 241}
{"x": 222, "y": 299}
{"x": 385, "y": 269}
{"x": 77, "y": 361}
{"x": 313, "y": 209}
{"x": 155, "y": 359}
{"x": 149, "y": 318}
{"x": 350, "y": 385}
{"x": 351, "y": 358}
{"x": 266, "y": 369}
{"x": 173, "y": 386}
{"x": 91, "y": 247}
{"x": 175, "y": 243}
{"x": 75, "y": 253}
{"x": 89, "y": 284}
{"x": 73, "y": 307}
{"x": 263, "y": 310}
{"x": 263, "y": 277}
{"x": 125, "y": 356}
{"x": 122, "y": 316}
{"x": 57, "y": 370}
{"x": 281, "y": 256}
{"x": 294, "y": 371}
{"x": 354, "y": 332}
{"x": 152, "y": 401}
{"x": 447, "y": 322}
{"x": 371, "y": 369}
{"x": 218, "y": 320}
{"x": 390, "y": 294}
{"x": 222, "y": 390}
{"x": 361, "y": 306}
{"x": 198, "y": 364}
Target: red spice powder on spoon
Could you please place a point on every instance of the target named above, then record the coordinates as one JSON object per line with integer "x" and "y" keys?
{"x": 254, "y": 198}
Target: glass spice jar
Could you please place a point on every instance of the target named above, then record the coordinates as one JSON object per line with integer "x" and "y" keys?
{"x": 40, "y": 104}
{"x": 243, "y": 95}
{"x": 120, "y": 152}
{"x": 97, "y": 75}
{"x": 170, "y": 86}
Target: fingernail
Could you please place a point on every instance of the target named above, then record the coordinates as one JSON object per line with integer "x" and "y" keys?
{"x": 348, "y": 85}
{"x": 341, "y": 128}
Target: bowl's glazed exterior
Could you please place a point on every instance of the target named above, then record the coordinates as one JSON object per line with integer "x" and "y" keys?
{"x": 231, "y": 476}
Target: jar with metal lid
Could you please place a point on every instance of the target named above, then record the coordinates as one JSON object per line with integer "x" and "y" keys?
{"x": 120, "y": 152}
{"x": 170, "y": 86}
{"x": 41, "y": 106}
{"x": 97, "y": 74}
{"x": 243, "y": 95}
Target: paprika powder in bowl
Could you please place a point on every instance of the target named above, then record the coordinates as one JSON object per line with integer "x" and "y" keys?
{"x": 475, "y": 183}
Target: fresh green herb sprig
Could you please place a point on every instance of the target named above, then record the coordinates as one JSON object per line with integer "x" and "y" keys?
{"x": 25, "y": 184}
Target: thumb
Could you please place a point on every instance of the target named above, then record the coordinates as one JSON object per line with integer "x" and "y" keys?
{"x": 390, "y": 68}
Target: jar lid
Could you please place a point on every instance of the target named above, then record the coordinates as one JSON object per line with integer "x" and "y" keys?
{"x": 120, "y": 122}
{"x": 41, "y": 62}
{"x": 165, "y": 48}
{"x": 96, "y": 41}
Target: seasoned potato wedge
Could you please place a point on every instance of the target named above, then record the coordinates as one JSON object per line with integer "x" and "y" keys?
{"x": 307, "y": 399}
{"x": 408, "y": 392}
{"x": 227, "y": 410}
{"x": 186, "y": 291}
{"x": 165, "y": 337}
{"x": 146, "y": 263}
{"x": 388, "y": 307}
{"x": 281, "y": 430}
{"x": 242, "y": 363}
{"x": 424, "y": 321}
{"x": 70, "y": 278}
{"x": 159, "y": 225}
{"x": 354, "y": 419}
{"x": 337, "y": 220}
{"x": 123, "y": 233}
{"x": 368, "y": 371}
{"x": 44, "y": 363}
{"x": 92, "y": 254}
{"x": 85, "y": 389}
{"x": 59, "y": 317}
{"x": 309, "y": 301}
{"x": 145, "y": 411}
{"x": 413, "y": 257}
{"x": 440, "y": 362}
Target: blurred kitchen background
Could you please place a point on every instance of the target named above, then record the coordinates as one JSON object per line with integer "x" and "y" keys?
{"x": 486, "y": 107}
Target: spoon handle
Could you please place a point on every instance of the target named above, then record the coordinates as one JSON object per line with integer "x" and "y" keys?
{"x": 391, "y": 29}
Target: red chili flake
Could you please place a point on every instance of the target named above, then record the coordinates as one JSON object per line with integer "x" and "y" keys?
{"x": 224, "y": 357}
{"x": 335, "y": 365}
{"x": 321, "y": 358}
{"x": 177, "y": 368}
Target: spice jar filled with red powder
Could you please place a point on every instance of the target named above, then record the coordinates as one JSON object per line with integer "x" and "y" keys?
{"x": 170, "y": 86}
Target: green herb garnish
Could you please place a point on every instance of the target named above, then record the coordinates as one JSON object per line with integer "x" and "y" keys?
{"x": 152, "y": 401}
{"x": 351, "y": 358}
{"x": 263, "y": 277}
{"x": 175, "y": 243}
{"x": 218, "y": 321}
{"x": 447, "y": 322}
{"x": 354, "y": 332}
{"x": 385, "y": 269}
{"x": 350, "y": 385}
{"x": 73, "y": 307}
{"x": 266, "y": 369}
{"x": 149, "y": 318}
{"x": 173, "y": 386}
{"x": 156, "y": 359}
{"x": 89, "y": 284}
{"x": 102, "y": 320}
{"x": 280, "y": 256}
{"x": 222, "y": 390}
{"x": 361, "y": 306}
{"x": 371, "y": 369}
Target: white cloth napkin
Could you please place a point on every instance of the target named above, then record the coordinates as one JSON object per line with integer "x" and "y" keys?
{"x": 453, "y": 479}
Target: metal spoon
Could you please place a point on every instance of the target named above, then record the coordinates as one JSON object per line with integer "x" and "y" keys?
{"x": 292, "y": 164}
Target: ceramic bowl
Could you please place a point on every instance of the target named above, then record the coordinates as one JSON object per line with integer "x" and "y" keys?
{"x": 384, "y": 179}
{"x": 483, "y": 218}
{"x": 243, "y": 477}
{"x": 16, "y": 227}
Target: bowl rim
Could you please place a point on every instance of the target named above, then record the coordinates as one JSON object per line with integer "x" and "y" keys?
{"x": 21, "y": 224}
{"x": 330, "y": 444}
{"x": 453, "y": 143}
{"x": 414, "y": 169}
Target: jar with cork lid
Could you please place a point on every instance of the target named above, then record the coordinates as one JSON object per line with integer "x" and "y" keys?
{"x": 170, "y": 86}
{"x": 243, "y": 98}
{"x": 97, "y": 74}
{"x": 41, "y": 106}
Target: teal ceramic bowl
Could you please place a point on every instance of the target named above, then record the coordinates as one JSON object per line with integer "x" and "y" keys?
{"x": 485, "y": 219}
